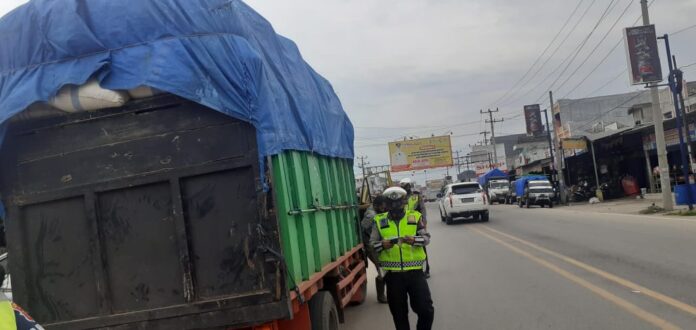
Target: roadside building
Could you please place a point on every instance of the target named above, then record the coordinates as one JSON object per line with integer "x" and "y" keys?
{"x": 532, "y": 155}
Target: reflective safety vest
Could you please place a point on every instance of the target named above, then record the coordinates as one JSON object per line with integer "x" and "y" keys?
{"x": 402, "y": 256}
{"x": 7, "y": 315}
{"x": 412, "y": 203}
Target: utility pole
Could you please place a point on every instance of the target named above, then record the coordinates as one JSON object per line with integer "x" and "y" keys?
{"x": 559, "y": 157}
{"x": 675, "y": 82}
{"x": 459, "y": 167}
{"x": 662, "y": 163}
{"x": 485, "y": 137}
{"x": 492, "y": 122}
{"x": 362, "y": 166}
{"x": 685, "y": 121}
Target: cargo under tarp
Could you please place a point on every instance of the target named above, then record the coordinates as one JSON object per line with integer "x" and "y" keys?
{"x": 219, "y": 53}
{"x": 494, "y": 173}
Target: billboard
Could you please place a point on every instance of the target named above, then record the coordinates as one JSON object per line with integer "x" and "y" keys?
{"x": 642, "y": 53}
{"x": 574, "y": 144}
{"x": 420, "y": 154}
{"x": 532, "y": 117}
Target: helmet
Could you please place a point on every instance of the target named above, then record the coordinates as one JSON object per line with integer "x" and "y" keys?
{"x": 395, "y": 193}
{"x": 406, "y": 182}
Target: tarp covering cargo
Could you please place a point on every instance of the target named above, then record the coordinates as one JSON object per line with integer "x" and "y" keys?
{"x": 494, "y": 173}
{"x": 522, "y": 182}
{"x": 219, "y": 53}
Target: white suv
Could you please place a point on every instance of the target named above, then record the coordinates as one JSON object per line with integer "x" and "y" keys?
{"x": 463, "y": 199}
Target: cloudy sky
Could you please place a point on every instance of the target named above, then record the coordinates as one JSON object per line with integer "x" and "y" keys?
{"x": 422, "y": 67}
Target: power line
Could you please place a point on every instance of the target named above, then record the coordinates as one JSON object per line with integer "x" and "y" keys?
{"x": 684, "y": 29}
{"x": 601, "y": 41}
{"x": 602, "y": 114}
{"x": 518, "y": 82}
{"x": 579, "y": 48}
{"x": 425, "y": 129}
{"x": 384, "y": 144}
{"x": 688, "y": 65}
{"x": 558, "y": 47}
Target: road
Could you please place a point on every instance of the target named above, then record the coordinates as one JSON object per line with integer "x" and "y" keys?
{"x": 555, "y": 269}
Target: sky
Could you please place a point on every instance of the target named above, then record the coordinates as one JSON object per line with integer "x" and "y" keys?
{"x": 418, "y": 68}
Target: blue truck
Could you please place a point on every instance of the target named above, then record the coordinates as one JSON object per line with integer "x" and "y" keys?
{"x": 534, "y": 190}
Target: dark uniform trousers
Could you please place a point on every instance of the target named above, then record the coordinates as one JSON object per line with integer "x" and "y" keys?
{"x": 402, "y": 286}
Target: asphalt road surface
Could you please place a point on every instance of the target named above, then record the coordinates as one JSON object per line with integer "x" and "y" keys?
{"x": 555, "y": 269}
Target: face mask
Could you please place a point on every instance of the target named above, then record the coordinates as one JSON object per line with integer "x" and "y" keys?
{"x": 396, "y": 210}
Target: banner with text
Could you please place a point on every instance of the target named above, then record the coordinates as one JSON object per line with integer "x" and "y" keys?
{"x": 420, "y": 154}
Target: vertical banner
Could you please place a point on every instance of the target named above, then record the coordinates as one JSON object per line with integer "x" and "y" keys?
{"x": 642, "y": 53}
{"x": 532, "y": 117}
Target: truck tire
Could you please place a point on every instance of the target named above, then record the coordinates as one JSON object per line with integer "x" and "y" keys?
{"x": 485, "y": 217}
{"x": 323, "y": 312}
{"x": 551, "y": 205}
{"x": 448, "y": 219}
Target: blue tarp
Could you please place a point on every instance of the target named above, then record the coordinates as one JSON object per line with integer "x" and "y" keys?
{"x": 219, "y": 53}
{"x": 520, "y": 183}
{"x": 494, "y": 173}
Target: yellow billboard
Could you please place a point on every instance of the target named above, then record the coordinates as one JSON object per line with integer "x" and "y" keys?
{"x": 420, "y": 154}
{"x": 571, "y": 144}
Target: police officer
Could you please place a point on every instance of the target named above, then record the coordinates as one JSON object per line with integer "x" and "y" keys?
{"x": 367, "y": 223}
{"x": 414, "y": 200}
{"x": 12, "y": 317}
{"x": 415, "y": 203}
{"x": 399, "y": 236}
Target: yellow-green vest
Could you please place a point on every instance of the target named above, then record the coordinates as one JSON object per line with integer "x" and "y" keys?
{"x": 412, "y": 203}
{"x": 7, "y": 315}
{"x": 401, "y": 257}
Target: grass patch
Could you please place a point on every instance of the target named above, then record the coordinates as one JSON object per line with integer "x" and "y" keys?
{"x": 652, "y": 209}
{"x": 684, "y": 213}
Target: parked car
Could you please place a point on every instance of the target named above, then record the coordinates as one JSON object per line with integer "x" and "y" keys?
{"x": 464, "y": 199}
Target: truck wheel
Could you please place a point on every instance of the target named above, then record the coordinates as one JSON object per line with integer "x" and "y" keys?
{"x": 485, "y": 217}
{"x": 323, "y": 312}
{"x": 551, "y": 205}
{"x": 448, "y": 219}
{"x": 476, "y": 216}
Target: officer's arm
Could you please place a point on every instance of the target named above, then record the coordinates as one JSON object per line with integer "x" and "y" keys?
{"x": 368, "y": 221}
{"x": 423, "y": 237}
{"x": 376, "y": 239}
{"x": 421, "y": 208}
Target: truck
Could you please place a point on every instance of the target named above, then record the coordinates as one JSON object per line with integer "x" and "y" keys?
{"x": 207, "y": 206}
{"x": 534, "y": 190}
{"x": 496, "y": 184}
{"x": 433, "y": 188}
